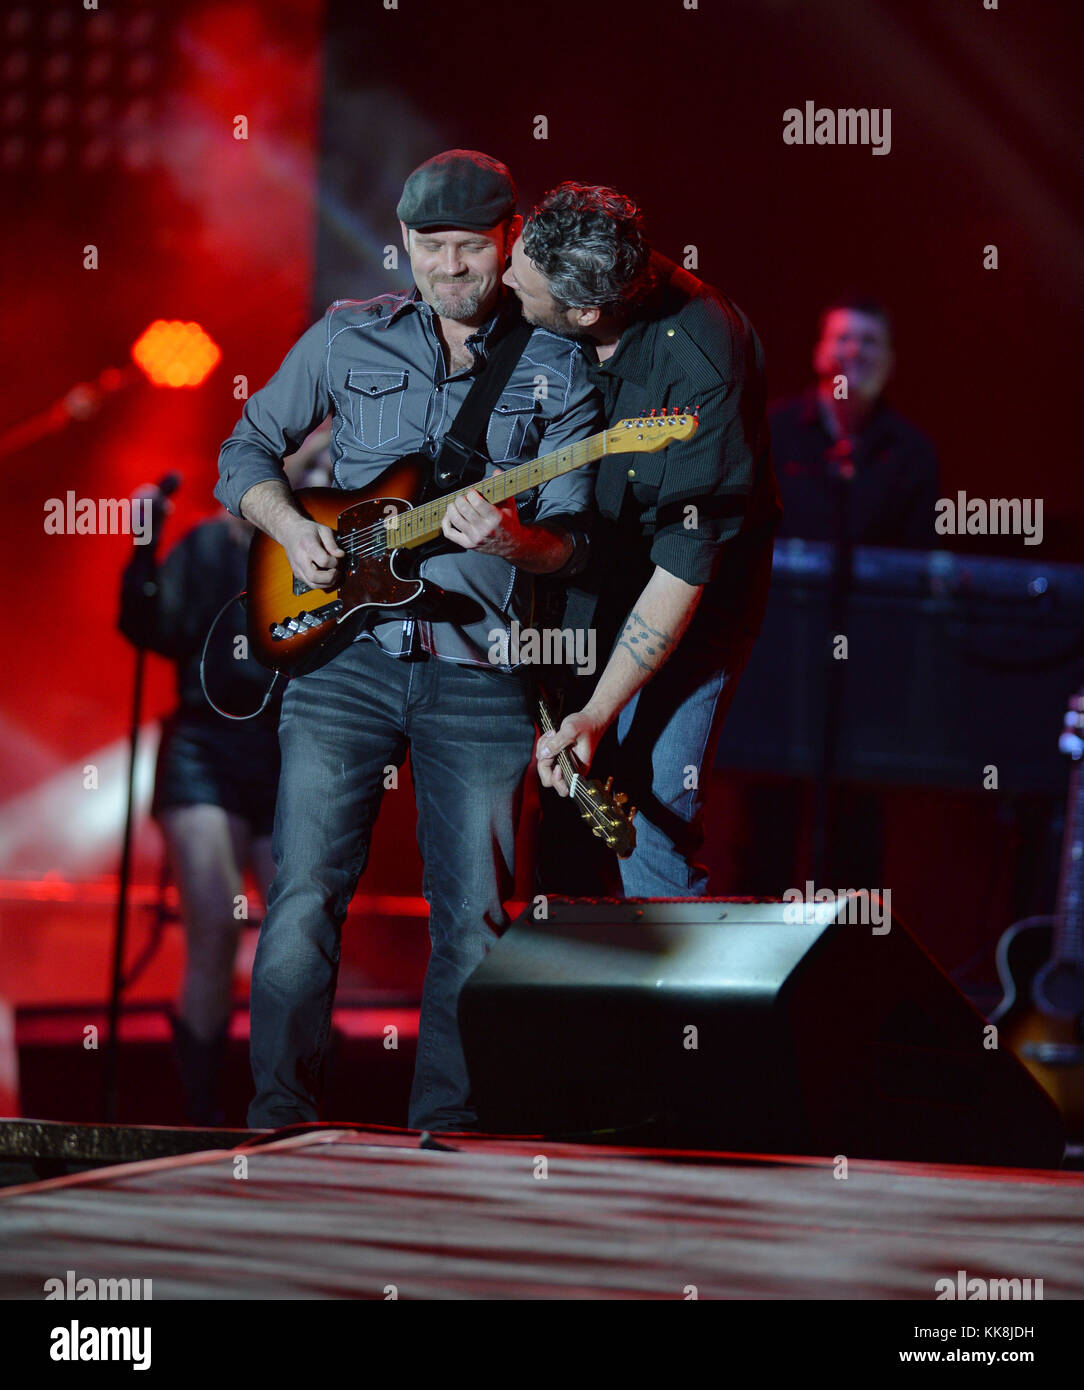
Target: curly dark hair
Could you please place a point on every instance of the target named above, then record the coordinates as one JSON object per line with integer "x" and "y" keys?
{"x": 588, "y": 242}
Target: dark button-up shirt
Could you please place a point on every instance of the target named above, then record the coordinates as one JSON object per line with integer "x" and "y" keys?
{"x": 378, "y": 368}
{"x": 892, "y": 496}
{"x": 704, "y": 509}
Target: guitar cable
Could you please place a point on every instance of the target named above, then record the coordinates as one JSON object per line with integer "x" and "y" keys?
{"x": 203, "y": 662}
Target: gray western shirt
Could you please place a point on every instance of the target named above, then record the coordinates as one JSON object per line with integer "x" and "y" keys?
{"x": 377, "y": 367}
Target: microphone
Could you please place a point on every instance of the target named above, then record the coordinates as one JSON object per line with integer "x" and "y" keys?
{"x": 159, "y": 494}
{"x": 161, "y": 491}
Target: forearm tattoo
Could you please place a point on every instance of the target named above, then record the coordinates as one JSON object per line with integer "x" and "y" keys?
{"x": 647, "y": 646}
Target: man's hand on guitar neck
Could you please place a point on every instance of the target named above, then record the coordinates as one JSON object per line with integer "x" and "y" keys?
{"x": 652, "y": 631}
{"x": 476, "y": 524}
{"x": 580, "y": 734}
{"x": 311, "y": 548}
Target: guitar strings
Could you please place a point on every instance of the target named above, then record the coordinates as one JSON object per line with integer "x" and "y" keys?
{"x": 370, "y": 539}
{"x": 578, "y": 790}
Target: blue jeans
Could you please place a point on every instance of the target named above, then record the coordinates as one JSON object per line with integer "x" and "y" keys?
{"x": 470, "y": 733}
{"x": 660, "y": 752}
{"x": 666, "y": 738}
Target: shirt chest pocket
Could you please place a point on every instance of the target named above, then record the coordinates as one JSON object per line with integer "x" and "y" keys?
{"x": 376, "y": 403}
{"x": 509, "y": 423}
{"x": 644, "y": 473}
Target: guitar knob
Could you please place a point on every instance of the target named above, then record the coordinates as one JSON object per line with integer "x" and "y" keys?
{"x": 621, "y": 798}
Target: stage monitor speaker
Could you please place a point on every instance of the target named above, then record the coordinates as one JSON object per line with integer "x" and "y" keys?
{"x": 743, "y": 1026}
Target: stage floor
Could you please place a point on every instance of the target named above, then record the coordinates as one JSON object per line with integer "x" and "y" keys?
{"x": 350, "y": 1213}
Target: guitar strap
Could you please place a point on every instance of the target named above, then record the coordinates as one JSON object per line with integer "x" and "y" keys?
{"x": 462, "y": 458}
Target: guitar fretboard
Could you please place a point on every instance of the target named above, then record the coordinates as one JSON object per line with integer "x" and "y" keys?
{"x": 422, "y": 523}
{"x": 571, "y": 775}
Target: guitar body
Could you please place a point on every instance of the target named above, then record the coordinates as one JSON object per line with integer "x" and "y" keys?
{"x": 371, "y": 578}
{"x": 1041, "y": 1013}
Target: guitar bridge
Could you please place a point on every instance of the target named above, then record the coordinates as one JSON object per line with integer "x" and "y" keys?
{"x": 291, "y": 627}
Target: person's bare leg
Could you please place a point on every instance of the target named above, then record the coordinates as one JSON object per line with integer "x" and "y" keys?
{"x": 207, "y": 848}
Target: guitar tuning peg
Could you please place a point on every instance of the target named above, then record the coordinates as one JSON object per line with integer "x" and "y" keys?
{"x": 609, "y": 785}
{"x": 632, "y": 814}
{"x": 621, "y": 798}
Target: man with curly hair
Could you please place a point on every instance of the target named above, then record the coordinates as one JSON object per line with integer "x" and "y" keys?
{"x": 681, "y": 557}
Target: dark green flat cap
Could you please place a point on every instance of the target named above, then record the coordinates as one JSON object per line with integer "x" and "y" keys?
{"x": 459, "y": 188}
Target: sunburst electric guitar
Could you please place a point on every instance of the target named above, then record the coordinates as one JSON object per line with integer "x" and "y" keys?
{"x": 380, "y": 526}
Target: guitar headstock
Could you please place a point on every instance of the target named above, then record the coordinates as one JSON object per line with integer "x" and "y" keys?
{"x": 645, "y": 433}
{"x": 605, "y": 813}
{"x": 1072, "y": 730}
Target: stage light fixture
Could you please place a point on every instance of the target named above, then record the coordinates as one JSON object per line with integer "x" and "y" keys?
{"x": 59, "y": 26}
{"x": 12, "y": 152}
{"x": 176, "y": 354}
{"x": 56, "y": 109}
{"x": 96, "y": 110}
{"x": 17, "y": 24}
{"x": 98, "y": 69}
{"x": 16, "y": 65}
{"x": 58, "y": 68}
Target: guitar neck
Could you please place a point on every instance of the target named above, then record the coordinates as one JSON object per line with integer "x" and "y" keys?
{"x": 564, "y": 762}
{"x": 423, "y": 523}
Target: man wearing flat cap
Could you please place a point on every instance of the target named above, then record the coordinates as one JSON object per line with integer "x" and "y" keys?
{"x": 393, "y": 373}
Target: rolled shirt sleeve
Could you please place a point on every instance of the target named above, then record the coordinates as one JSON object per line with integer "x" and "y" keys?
{"x": 276, "y": 419}
{"x": 716, "y": 484}
{"x": 703, "y": 501}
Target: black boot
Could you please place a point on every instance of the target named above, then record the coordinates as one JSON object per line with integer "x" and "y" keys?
{"x": 199, "y": 1064}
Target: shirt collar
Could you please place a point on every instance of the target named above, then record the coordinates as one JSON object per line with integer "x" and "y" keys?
{"x": 633, "y": 356}
{"x": 412, "y": 301}
{"x": 630, "y": 360}
{"x": 502, "y": 319}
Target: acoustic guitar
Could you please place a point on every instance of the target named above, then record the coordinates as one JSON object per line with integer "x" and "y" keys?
{"x": 1040, "y": 961}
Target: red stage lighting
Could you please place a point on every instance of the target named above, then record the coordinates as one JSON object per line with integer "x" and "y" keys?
{"x": 176, "y": 354}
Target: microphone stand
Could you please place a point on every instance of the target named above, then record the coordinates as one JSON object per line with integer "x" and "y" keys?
{"x": 149, "y": 568}
{"x": 840, "y": 458}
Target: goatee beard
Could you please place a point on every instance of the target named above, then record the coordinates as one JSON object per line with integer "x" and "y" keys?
{"x": 458, "y": 306}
